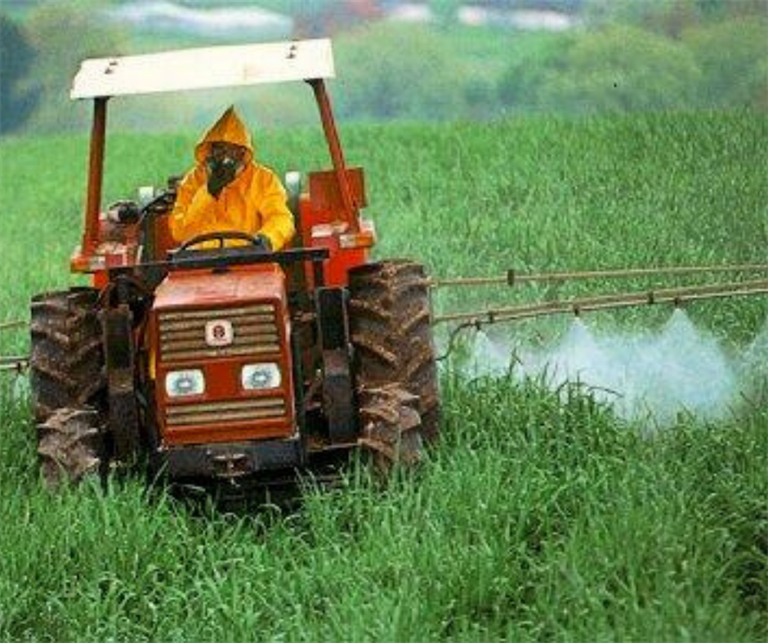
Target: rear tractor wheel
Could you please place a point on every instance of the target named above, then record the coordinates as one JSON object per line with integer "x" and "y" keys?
{"x": 394, "y": 363}
{"x": 68, "y": 383}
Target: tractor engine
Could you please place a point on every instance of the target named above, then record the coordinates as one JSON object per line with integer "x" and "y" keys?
{"x": 220, "y": 357}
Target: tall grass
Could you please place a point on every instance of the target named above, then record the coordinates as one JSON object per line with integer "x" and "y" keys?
{"x": 539, "y": 516}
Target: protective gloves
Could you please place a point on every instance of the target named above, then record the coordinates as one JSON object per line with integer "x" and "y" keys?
{"x": 262, "y": 243}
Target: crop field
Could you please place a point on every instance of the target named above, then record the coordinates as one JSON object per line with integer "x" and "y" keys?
{"x": 541, "y": 515}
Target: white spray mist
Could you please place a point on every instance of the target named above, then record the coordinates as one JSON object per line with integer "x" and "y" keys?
{"x": 646, "y": 376}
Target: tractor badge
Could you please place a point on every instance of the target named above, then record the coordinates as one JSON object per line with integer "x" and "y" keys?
{"x": 218, "y": 333}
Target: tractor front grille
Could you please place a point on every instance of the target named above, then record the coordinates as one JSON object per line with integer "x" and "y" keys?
{"x": 263, "y": 408}
{"x": 182, "y": 333}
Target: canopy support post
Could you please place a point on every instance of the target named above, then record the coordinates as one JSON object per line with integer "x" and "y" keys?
{"x": 95, "y": 173}
{"x": 337, "y": 156}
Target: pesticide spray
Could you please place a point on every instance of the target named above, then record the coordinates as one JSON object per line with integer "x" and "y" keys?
{"x": 644, "y": 376}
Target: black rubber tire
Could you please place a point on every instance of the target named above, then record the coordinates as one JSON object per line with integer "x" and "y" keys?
{"x": 390, "y": 426}
{"x": 67, "y": 356}
{"x": 70, "y": 445}
{"x": 391, "y": 332}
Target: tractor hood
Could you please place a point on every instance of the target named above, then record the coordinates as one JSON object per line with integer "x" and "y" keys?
{"x": 210, "y": 330}
{"x": 206, "y": 289}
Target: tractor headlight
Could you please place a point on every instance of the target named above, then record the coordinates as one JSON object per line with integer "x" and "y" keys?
{"x": 183, "y": 383}
{"x": 257, "y": 377}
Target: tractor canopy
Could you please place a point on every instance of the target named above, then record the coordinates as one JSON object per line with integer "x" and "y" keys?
{"x": 204, "y": 68}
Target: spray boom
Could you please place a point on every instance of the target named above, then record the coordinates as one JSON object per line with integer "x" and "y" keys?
{"x": 13, "y": 363}
{"x": 576, "y": 306}
{"x": 516, "y": 278}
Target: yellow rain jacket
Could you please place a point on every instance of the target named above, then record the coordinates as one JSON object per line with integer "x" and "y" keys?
{"x": 254, "y": 202}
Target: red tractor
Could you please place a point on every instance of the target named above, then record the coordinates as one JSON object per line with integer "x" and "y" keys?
{"x": 230, "y": 363}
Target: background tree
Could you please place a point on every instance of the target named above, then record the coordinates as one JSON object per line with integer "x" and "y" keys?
{"x": 530, "y": 65}
{"x": 64, "y": 34}
{"x": 397, "y": 72}
{"x": 667, "y": 17}
{"x": 623, "y": 69}
{"x": 733, "y": 55}
{"x": 17, "y": 102}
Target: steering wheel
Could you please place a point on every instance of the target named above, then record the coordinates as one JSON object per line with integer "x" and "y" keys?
{"x": 221, "y": 237}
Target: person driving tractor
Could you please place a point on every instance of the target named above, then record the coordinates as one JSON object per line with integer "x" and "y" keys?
{"x": 228, "y": 191}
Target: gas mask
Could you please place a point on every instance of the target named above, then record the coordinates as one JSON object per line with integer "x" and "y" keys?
{"x": 223, "y": 164}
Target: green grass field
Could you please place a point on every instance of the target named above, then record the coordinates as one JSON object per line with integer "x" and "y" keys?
{"x": 539, "y": 516}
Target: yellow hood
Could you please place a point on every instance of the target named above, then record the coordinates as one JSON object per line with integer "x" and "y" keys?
{"x": 230, "y": 129}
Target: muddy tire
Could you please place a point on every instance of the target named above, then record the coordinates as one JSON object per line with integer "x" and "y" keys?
{"x": 67, "y": 357}
{"x": 392, "y": 335}
{"x": 390, "y": 426}
{"x": 68, "y": 383}
{"x": 70, "y": 445}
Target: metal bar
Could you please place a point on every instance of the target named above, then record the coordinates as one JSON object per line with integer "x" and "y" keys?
{"x": 318, "y": 276}
{"x": 513, "y": 278}
{"x": 337, "y": 155}
{"x": 13, "y": 358}
{"x": 119, "y": 355}
{"x": 603, "y": 302}
{"x": 284, "y": 257}
{"x": 467, "y": 281}
{"x": 13, "y": 324}
{"x": 95, "y": 173}
{"x": 14, "y": 364}
{"x": 667, "y": 299}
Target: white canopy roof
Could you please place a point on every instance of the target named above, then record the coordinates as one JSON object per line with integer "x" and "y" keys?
{"x": 204, "y": 68}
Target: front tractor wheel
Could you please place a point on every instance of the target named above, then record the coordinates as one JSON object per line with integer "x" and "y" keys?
{"x": 390, "y": 426}
{"x": 70, "y": 445}
{"x": 68, "y": 382}
{"x": 394, "y": 363}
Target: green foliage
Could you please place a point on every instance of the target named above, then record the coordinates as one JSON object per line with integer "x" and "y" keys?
{"x": 665, "y": 17}
{"x": 720, "y": 65}
{"x": 445, "y": 11}
{"x": 16, "y": 59}
{"x": 388, "y": 72}
{"x": 727, "y": 8}
{"x": 307, "y": 8}
{"x": 64, "y": 34}
{"x": 540, "y": 516}
{"x": 623, "y": 69}
{"x": 671, "y": 17}
{"x": 678, "y": 54}
{"x": 733, "y": 56}
{"x": 531, "y": 65}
